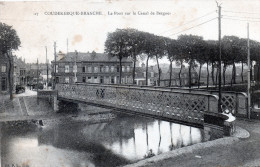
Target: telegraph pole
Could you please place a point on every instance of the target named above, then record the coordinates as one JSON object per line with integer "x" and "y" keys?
{"x": 37, "y": 81}
{"x": 219, "y": 60}
{"x": 75, "y": 67}
{"x": 54, "y": 80}
{"x": 248, "y": 74}
{"x": 47, "y": 68}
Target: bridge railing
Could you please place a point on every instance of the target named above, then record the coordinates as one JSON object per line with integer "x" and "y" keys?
{"x": 182, "y": 106}
{"x": 235, "y": 102}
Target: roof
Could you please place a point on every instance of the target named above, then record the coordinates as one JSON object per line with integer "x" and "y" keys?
{"x": 93, "y": 57}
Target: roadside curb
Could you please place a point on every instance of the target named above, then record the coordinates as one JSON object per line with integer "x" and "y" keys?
{"x": 189, "y": 149}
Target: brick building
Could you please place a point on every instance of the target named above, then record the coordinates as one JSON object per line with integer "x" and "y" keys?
{"x": 91, "y": 68}
{"x": 4, "y": 79}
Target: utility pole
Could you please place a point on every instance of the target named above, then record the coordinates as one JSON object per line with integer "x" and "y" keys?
{"x": 219, "y": 60}
{"x": 54, "y": 80}
{"x": 75, "y": 67}
{"x": 248, "y": 74}
{"x": 37, "y": 82}
{"x": 47, "y": 69}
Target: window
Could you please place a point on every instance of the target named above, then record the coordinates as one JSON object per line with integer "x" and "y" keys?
{"x": 128, "y": 68}
{"x": 57, "y": 67}
{"x": 123, "y": 68}
{"x": 67, "y": 68}
{"x": 107, "y": 69}
{"x": 112, "y": 80}
{"x": 75, "y": 68}
{"x": 4, "y": 84}
{"x": 83, "y": 79}
{"x": 57, "y": 79}
{"x": 90, "y": 69}
{"x": 67, "y": 80}
{"x": 95, "y": 69}
{"x": 112, "y": 68}
{"x": 101, "y": 68}
{"x": 144, "y": 74}
{"x": 83, "y": 69}
{"x": 89, "y": 78}
{"x": 117, "y": 69}
{"x": 3, "y": 68}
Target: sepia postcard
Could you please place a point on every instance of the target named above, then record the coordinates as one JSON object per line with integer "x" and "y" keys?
{"x": 104, "y": 83}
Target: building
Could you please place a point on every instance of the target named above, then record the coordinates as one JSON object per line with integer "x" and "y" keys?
{"x": 18, "y": 74}
{"x": 140, "y": 75}
{"x": 4, "y": 79}
{"x": 175, "y": 81}
{"x": 91, "y": 68}
{"x": 19, "y": 71}
{"x": 32, "y": 72}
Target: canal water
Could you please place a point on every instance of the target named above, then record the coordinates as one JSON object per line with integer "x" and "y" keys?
{"x": 125, "y": 139}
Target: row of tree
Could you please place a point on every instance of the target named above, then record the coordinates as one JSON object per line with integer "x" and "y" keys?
{"x": 9, "y": 41}
{"x": 189, "y": 49}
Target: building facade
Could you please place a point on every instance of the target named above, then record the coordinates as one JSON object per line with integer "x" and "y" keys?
{"x": 91, "y": 68}
{"x": 19, "y": 71}
{"x": 140, "y": 75}
{"x": 183, "y": 80}
{"x": 4, "y": 79}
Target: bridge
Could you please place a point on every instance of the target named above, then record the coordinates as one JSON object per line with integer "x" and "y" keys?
{"x": 193, "y": 107}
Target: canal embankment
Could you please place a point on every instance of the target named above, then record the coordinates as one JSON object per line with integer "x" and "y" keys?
{"x": 240, "y": 149}
{"x": 27, "y": 108}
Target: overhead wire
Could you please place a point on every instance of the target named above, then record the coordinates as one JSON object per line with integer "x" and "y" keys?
{"x": 193, "y": 26}
{"x": 207, "y": 14}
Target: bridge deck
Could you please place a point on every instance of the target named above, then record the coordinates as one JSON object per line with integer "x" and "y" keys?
{"x": 165, "y": 104}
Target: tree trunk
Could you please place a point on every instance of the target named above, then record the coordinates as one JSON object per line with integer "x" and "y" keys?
{"x": 146, "y": 71}
{"x": 120, "y": 69}
{"x": 10, "y": 75}
{"x": 216, "y": 83}
{"x": 134, "y": 70}
{"x": 212, "y": 73}
{"x": 234, "y": 69}
{"x": 242, "y": 72}
{"x": 170, "y": 82}
{"x": 224, "y": 74}
{"x": 159, "y": 71}
{"x": 190, "y": 73}
{"x": 207, "y": 74}
{"x": 199, "y": 76}
{"x": 180, "y": 74}
{"x": 232, "y": 75}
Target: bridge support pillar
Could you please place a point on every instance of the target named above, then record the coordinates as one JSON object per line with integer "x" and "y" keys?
{"x": 214, "y": 124}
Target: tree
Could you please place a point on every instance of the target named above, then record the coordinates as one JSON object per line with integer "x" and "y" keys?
{"x": 172, "y": 49}
{"x": 136, "y": 40}
{"x": 211, "y": 56}
{"x": 159, "y": 51}
{"x": 191, "y": 46}
{"x": 9, "y": 41}
{"x": 117, "y": 44}
{"x": 231, "y": 49}
{"x": 148, "y": 50}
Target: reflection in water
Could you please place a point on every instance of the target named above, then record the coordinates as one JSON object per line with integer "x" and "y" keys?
{"x": 120, "y": 141}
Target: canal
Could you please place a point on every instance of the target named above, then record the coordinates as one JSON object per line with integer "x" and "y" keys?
{"x": 123, "y": 140}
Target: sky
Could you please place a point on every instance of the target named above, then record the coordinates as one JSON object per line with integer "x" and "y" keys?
{"x": 38, "y": 29}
